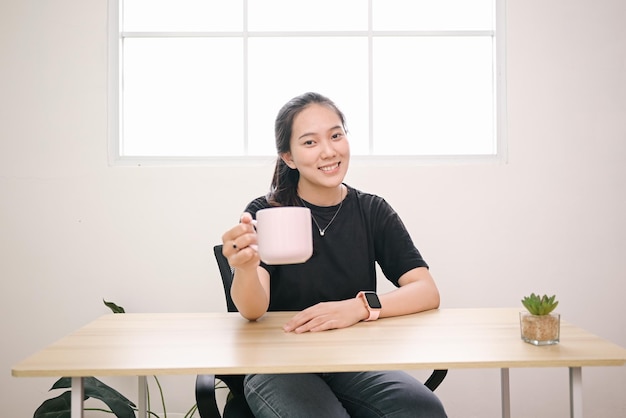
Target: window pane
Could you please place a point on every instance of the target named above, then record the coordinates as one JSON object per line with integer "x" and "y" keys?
{"x": 281, "y": 68}
{"x": 182, "y": 15}
{"x": 182, "y": 97}
{"x": 213, "y": 94}
{"x": 290, "y": 15}
{"x": 433, "y": 96}
{"x": 433, "y": 14}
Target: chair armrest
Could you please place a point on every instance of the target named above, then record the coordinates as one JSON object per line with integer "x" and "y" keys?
{"x": 205, "y": 396}
{"x": 435, "y": 379}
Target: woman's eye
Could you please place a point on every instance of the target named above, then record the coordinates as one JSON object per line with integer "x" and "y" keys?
{"x": 338, "y": 135}
{"x": 309, "y": 142}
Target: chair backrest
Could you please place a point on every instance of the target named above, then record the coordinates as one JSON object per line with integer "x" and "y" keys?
{"x": 227, "y": 276}
{"x": 234, "y": 382}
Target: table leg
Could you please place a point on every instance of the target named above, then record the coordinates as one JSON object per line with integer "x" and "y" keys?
{"x": 575, "y": 392}
{"x": 78, "y": 390}
{"x": 505, "y": 391}
{"x": 142, "y": 397}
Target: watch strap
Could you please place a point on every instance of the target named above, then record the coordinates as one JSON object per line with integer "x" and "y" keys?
{"x": 373, "y": 312}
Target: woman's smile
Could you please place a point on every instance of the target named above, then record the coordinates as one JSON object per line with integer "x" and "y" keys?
{"x": 330, "y": 168}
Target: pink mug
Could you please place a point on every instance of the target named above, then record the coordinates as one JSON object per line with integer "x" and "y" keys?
{"x": 284, "y": 234}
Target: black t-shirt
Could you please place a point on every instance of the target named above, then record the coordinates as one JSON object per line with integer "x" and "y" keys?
{"x": 366, "y": 231}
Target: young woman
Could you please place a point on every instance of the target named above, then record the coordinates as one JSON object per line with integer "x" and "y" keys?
{"x": 352, "y": 231}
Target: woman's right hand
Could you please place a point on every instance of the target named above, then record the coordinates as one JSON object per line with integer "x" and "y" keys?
{"x": 239, "y": 244}
{"x": 250, "y": 287}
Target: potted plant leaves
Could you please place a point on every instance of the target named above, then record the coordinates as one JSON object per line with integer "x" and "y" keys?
{"x": 118, "y": 405}
{"x": 540, "y": 325}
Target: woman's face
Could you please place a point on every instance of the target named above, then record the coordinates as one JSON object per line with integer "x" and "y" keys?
{"x": 319, "y": 150}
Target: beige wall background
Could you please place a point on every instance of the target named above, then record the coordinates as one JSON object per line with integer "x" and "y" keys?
{"x": 74, "y": 230}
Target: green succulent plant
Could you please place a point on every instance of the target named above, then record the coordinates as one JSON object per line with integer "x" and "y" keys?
{"x": 540, "y": 305}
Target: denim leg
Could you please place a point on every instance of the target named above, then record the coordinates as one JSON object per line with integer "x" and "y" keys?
{"x": 389, "y": 394}
{"x": 291, "y": 396}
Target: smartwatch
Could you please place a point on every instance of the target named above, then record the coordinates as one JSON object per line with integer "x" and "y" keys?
{"x": 372, "y": 303}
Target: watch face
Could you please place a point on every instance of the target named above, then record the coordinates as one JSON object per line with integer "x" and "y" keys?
{"x": 372, "y": 300}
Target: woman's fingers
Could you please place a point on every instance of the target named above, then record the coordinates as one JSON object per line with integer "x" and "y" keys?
{"x": 239, "y": 243}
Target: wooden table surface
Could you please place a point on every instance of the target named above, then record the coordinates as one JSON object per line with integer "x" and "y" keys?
{"x": 225, "y": 343}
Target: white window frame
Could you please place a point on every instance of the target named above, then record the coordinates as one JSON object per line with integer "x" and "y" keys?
{"x": 115, "y": 109}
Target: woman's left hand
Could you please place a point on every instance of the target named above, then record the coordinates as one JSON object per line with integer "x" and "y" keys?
{"x": 327, "y": 315}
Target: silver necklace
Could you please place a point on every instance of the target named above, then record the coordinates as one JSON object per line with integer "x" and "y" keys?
{"x": 319, "y": 228}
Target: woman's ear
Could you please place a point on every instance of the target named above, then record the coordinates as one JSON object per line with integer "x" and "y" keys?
{"x": 286, "y": 157}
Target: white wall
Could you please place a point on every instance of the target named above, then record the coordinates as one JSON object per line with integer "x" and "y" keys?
{"x": 74, "y": 230}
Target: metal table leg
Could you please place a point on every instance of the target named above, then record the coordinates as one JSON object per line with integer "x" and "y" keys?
{"x": 78, "y": 390}
{"x": 505, "y": 393}
{"x": 142, "y": 397}
{"x": 575, "y": 392}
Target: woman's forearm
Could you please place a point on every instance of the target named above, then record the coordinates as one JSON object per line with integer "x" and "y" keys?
{"x": 249, "y": 294}
{"x": 417, "y": 292}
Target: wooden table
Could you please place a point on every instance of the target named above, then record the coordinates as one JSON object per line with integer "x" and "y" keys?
{"x": 224, "y": 343}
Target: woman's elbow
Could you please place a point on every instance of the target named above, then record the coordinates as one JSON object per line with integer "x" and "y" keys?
{"x": 436, "y": 299}
{"x": 251, "y": 313}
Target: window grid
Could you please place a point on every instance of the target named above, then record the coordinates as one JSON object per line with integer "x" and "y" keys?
{"x": 118, "y": 36}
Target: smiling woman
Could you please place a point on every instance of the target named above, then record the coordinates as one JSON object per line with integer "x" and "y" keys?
{"x": 194, "y": 73}
{"x": 320, "y": 153}
{"x": 357, "y": 230}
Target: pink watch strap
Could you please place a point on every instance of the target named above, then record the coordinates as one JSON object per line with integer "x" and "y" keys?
{"x": 374, "y": 313}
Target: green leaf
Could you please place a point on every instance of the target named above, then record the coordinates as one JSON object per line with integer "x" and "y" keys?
{"x": 59, "y": 407}
{"x": 115, "y": 308}
{"x": 540, "y": 305}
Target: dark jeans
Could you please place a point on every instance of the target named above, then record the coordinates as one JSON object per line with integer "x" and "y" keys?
{"x": 389, "y": 394}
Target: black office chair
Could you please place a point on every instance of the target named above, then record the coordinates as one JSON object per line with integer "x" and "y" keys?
{"x": 236, "y": 405}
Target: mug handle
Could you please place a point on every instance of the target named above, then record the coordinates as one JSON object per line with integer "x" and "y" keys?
{"x": 255, "y": 247}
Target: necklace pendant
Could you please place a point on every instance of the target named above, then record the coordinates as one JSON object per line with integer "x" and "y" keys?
{"x": 323, "y": 231}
